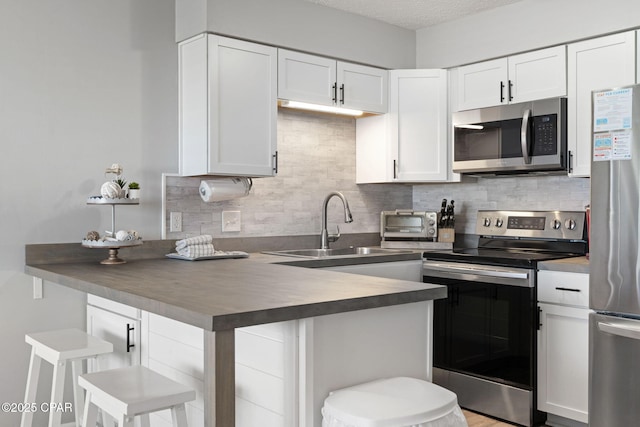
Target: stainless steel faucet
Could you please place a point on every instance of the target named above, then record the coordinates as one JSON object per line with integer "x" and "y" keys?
{"x": 325, "y": 237}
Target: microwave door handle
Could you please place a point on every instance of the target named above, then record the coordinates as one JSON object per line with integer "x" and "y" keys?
{"x": 525, "y": 142}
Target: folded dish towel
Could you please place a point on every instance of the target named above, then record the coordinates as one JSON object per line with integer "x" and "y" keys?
{"x": 196, "y": 240}
{"x": 194, "y": 251}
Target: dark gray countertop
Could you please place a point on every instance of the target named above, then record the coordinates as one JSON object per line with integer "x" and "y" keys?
{"x": 225, "y": 294}
{"x": 569, "y": 265}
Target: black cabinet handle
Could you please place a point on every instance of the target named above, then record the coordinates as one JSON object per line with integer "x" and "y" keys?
{"x": 567, "y": 289}
{"x": 510, "y": 87}
{"x": 275, "y": 162}
{"x": 501, "y": 91}
{"x": 538, "y": 317}
{"x": 335, "y": 93}
{"x": 395, "y": 169}
{"x": 129, "y": 330}
{"x": 342, "y": 94}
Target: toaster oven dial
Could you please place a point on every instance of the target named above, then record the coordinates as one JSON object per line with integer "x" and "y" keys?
{"x": 432, "y": 223}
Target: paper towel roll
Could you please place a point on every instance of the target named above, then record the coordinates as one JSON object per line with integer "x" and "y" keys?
{"x": 216, "y": 190}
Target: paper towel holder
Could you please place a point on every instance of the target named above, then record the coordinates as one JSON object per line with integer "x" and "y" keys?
{"x": 224, "y": 188}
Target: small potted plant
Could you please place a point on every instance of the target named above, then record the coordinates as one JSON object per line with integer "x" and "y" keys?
{"x": 123, "y": 187}
{"x": 134, "y": 190}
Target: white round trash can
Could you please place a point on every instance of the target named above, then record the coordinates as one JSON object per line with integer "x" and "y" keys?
{"x": 393, "y": 402}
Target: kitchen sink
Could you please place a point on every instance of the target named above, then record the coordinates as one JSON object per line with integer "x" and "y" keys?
{"x": 324, "y": 253}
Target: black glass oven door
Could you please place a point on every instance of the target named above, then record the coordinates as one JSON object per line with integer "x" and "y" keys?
{"x": 486, "y": 330}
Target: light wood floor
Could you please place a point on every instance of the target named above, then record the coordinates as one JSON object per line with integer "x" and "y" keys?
{"x": 477, "y": 420}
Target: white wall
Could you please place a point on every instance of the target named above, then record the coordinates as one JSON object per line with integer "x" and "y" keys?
{"x": 522, "y": 26}
{"x": 83, "y": 84}
{"x": 300, "y": 25}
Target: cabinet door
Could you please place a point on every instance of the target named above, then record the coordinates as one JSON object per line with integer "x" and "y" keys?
{"x": 362, "y": 88}
{"x": 228, "y": 107}
{"x": 563, "y": 354}
{"x": 306, "y": 78}
{"x": 483, "y": 84}
{"x": 121, "y": 331}
{"x": 243, "y": 107}
{"x": 408, "y": 144}
{"x": 538, "y": 75}
{"x": 418, "y": 126}
{"x": 601, "y": 63}
{"x": 375, "y": 157}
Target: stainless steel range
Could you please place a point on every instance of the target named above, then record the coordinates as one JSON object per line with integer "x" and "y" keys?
{"x": 485, "y": 331}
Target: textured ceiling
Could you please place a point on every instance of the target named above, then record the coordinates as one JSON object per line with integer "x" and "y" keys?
{"x": 413, "y": 14}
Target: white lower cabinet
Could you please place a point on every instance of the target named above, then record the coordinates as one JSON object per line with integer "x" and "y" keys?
{"x": 563, "y": 344}
{"x": 121, "y": 326}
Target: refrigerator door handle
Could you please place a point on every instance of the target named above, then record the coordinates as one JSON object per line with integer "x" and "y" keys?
{"x": 620, "y": 329}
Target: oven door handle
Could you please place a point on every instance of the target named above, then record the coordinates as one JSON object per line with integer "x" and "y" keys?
{"x": 478, "y": 271}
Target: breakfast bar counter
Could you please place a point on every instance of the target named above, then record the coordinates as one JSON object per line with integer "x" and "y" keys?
{"x": 222, "y": 295}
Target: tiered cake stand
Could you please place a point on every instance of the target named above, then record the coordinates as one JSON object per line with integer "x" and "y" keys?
{"x": 113, "y": 246}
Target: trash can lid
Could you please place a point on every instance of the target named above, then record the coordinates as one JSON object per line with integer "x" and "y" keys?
{"x": 392, "y": 402}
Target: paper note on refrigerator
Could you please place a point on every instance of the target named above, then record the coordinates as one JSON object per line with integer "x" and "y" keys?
{"x": 612, "y": 110}
{"x": 612, "y": 146}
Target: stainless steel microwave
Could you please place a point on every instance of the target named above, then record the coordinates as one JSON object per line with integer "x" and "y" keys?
{"x": 512, "y": 139}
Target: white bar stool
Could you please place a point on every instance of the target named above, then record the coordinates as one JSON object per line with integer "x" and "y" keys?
{"x": 59, "y": 347}
{"x": 125, "y": 393}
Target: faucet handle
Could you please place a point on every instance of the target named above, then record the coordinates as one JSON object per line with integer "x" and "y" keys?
{"x": 334, "y": 237}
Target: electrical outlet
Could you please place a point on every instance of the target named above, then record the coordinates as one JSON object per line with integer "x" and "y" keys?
{"x": 175, "y": 222}
{"x": 230, "y": 221}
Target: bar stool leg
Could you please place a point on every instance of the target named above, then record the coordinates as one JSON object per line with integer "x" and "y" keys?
{"x": 78, "y": 392}
{"x": 32, "y": 387}
{"x": 125, "y": 421}
{"x": 144, "y": 420}
{"x": 179, "y": 416}
{"x": 90, "y": 416}
{"x": 57, "y": 389}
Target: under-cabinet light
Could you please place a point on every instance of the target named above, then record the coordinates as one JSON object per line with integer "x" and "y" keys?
{"x": 322, "y": 108}
{"x": 474, "y": 127}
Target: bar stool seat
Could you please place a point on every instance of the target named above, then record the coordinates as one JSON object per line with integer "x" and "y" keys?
{"x": 59, "y": 347}
{"x": 125, "y": 393}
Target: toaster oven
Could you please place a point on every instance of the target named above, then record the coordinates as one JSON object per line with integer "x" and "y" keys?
{"x": 408, "y": 225}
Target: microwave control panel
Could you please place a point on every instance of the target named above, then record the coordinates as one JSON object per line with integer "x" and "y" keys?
{"x": 545, "y": 135}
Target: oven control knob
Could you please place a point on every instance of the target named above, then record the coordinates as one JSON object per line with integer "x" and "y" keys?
{"x": 432, "y": 222}
{"x": 487, "y": 222}
{"x": 570, "y": 224}
{"x": 556, "y": 224}
{"x": 499, "y": 222}
{"x": 431, "y": 231}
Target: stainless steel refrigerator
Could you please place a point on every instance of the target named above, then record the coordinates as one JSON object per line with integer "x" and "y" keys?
{"x": 614, "y": 289}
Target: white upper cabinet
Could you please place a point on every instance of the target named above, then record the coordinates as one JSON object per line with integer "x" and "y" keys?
{"x": 482, "y": 84}
{"x": 227, "y": 107}
{"x": 519, "y": 78}
{"x": 601, "y": 63}
{"x": 409, "y": 144}
{"x": 318, "y": 80}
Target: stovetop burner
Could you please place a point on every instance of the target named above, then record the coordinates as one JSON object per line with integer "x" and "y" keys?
{"x": 522, "y": 238}
{"x": 503, "y": 257}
